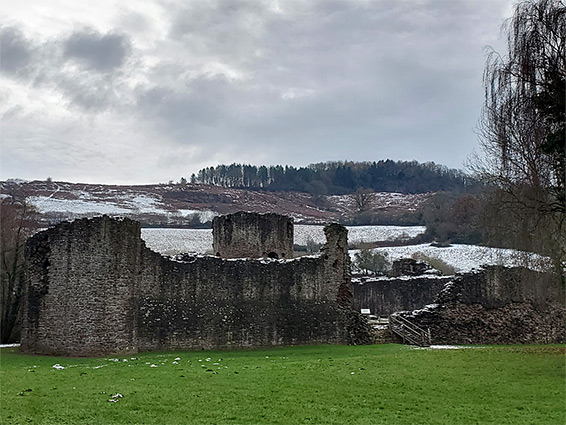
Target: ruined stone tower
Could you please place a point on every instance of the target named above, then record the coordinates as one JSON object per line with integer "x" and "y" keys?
{"x": 253, "y": 235}
{"x": 79, "y": 298}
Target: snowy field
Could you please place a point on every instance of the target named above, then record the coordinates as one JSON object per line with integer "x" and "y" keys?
{"x": 467, "y": 257}
{"x": 86, "y": 206}
{"x": 175, "y": 241}
{"x": 77, "y": 206}
{"x": 462, "y": 257}
{"x": 358, "y": 234}
{"x": 178, "y": 241}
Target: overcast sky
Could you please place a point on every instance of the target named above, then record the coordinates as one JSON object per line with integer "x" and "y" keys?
{"x": 148, "y": 91}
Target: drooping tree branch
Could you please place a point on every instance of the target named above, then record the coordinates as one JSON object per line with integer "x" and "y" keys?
{"x": 522, "y": 129}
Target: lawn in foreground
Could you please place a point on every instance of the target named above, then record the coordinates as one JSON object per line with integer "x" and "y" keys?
{"x": 315, "y": 384}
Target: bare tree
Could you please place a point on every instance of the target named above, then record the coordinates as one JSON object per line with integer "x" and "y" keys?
{"x": 17, "y": 222}
{"x": 372, "y": 262}
{"x": 522, "y": 132}
{"x": 363, "y": 198}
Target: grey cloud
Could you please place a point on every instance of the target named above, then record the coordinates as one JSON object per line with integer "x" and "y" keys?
{"x": 15, "y": 51}
{"x": 191, "y": 113}
{"x": 250, "y": 82}
{"x": 369, "y": 67}
{"x": 222, "y": 28}
{"x": 100, "y": 84}
{"x": 101, "y": 52}
{"x": 218, "y": 18}
{"x": 136, "y": 22}
{"x": 87, "y": 92}
{"x": 42, "y": 64}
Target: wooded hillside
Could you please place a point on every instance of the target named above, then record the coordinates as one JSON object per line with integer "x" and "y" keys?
{"x": 336, "y": 178}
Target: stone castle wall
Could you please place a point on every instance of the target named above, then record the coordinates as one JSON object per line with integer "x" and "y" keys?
{"x": 384, "y": 296}
{"x": 496, "y": 305}
{"x": 93, "y": 288}
{"x": 253, "y": 235}
{"x": 80, "y": 288}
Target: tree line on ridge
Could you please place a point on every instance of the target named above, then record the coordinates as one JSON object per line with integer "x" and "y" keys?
{"x": 340, "y": 177}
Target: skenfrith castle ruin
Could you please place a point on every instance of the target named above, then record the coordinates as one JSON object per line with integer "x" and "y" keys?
{"x": 94, "y": 288}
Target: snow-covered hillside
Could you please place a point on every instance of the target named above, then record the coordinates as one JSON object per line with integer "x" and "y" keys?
{"x": 179, "y": 204}
{"x": 129, "y": 204}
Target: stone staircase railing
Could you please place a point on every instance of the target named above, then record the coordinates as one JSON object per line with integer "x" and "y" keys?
{"x": 410, "y": 332}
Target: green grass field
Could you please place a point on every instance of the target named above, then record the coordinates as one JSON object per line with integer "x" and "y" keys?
{"x": 390, "y": 384}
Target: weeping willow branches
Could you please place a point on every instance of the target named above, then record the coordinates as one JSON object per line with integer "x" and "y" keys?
{"x": 523, "y": 126}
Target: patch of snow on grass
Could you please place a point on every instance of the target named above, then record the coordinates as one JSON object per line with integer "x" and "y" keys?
{"x": 175, "y": 241}
{"x": 77, "y": 206}
{"x": 465, "y": 258}
{"x": 357, "y": 234}
{"x": 83, "y": 194}
{"x": 88, "y": 204}
{"x": 143, "y": 204}
{"x": 383, "y": 233}
{"x": 304, "y": 232}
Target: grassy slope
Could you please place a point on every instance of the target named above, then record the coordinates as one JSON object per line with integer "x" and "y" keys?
{"x": 319, "y": 384}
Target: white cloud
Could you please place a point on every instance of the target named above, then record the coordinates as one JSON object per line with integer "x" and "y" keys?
{"x": 295, "y": 93}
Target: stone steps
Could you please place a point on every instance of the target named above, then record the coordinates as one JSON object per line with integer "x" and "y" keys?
{"x": 382, "y": 335}
{"x": 380, "y": 329}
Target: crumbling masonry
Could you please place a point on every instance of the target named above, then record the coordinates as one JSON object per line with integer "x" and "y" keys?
{"x": 253, "y": 235}
{"x": 94, "y": 288}
{"x": 496, "y": 305}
